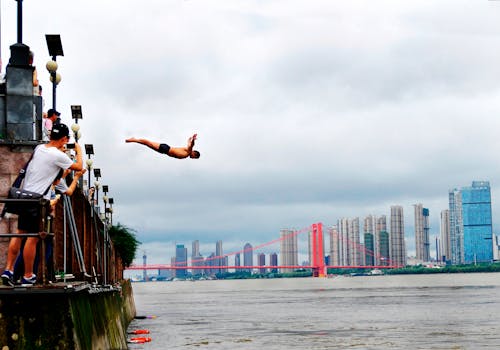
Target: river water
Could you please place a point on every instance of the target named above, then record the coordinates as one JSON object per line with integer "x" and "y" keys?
{"x": 442, "y": 311}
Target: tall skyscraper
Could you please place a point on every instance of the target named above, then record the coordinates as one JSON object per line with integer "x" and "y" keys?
{"x": 261, "y": 258}
{"x": 354, "y": 251}
{"x": 289, "y": 253}
{"x": 381, "y": 226}
{"x": 370, "y": 228}
{"x": 445, "y": 236}
{"x": 334, "y": 246}
{"x": 349, "y": 243}
{"x": 273, "y": 261}
{"x": 343, "y": 231}
{"x": 219, "y": 252}
{"x": 477, "y": 223}
{"x": 397, "y": 236}
{"x": 237, "y": 260}
{"x": 370, "y": 247}
{"x": 144, "y": 262}
{"x": 181, "y": 260}
{"x": 210, "y": 262}
{"x": 384, "y": 249}
{"x": 373, "y": 225}
{"x": 456, "y": 227}
{"x": 248, "y": 256}
{"x": 195, "y": 248}
{"x": 422, "y": 227}
{"x": 196, "y": 258}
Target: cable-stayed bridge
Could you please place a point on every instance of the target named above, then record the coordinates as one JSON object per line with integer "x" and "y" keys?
{"x": 317, "y": 257}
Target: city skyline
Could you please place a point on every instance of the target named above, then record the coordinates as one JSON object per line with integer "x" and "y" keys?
{"x": 346, "y": 248}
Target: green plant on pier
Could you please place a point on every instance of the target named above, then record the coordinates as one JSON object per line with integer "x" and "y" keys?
{"x": 125, "y": 242}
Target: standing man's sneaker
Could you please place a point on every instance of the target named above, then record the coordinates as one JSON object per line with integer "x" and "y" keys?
{"x": 31, "y": 280}
{"x": 8, "y": 278}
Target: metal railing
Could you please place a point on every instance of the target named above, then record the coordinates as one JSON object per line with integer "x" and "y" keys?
{"x": 96, "y": 253}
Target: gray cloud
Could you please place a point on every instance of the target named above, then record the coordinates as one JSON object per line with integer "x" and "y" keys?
{"x": 305, "y": 111}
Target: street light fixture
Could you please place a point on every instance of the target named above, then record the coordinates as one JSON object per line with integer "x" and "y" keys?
{"x": 55, "y": 49}
{"x": 105, "y": 189}
{"x": 97, "y": 175}
{"x": 111, "y": 202}
{"x": 89, "y": 150}
{"x": 76, "y": 113}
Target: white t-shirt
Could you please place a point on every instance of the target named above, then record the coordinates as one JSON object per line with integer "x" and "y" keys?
{"x": 43, "y": 168}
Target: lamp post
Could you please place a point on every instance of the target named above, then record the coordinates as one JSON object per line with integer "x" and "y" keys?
{"x": 97, "y": 175}
{"x": 89, "y": 150}
{"x": 55, "y": 49}
{"x": 76, "y": 113}
{"x": 111, "y": 202}
{"x": 105, "y": 189}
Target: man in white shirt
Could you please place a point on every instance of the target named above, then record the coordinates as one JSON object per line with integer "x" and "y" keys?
{"x": 46, "y": 163}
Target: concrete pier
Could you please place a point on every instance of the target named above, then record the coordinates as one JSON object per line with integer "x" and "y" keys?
{"x": 65, "y": 316}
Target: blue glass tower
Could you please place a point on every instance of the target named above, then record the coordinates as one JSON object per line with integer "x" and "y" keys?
{"x": 477, "y": 223}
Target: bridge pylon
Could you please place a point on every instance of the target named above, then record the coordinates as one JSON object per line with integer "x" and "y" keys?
{"x": 318, "y": 256}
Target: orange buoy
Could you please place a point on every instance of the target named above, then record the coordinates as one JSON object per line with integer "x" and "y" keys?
{"x": 140, "y": 340}
{"x": 139, "y": 331}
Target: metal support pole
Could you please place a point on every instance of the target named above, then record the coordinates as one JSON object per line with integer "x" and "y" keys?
{"x": 64, "y": 240}
{"x": 20, "y": 21}
{"x": 54, "y": 85}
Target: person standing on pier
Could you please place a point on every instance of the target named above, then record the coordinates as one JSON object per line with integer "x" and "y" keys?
{"x": 43, "y": 168}
{"x": 174, "y": 152}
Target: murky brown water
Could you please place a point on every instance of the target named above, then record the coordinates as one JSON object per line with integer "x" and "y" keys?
{"x": 443, "y": 311}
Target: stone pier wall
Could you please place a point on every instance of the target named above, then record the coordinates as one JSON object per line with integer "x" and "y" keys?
{"x": 93, "y": 319}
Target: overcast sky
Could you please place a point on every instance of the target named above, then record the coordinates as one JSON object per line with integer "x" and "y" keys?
{"x": 306, "y": 111}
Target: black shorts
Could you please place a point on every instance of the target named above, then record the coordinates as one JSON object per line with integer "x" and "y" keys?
{"x": 164, "y": 148}
{"x": 29, "y": 222}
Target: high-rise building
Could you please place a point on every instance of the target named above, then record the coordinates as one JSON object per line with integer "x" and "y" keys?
{"x": 370, "y": 227}
{"x": 237, "y": 260}
{"x": 384, "y": 249}
{"x": 495, "y": 247}
{"x": 181, "y": 260}
{"x": 210, "y": 262}
{"x": 349, "y": 244}
{"x": 273, "y": 261}
{"x": 422, "y": 227}
{"x": 397, "y": 236}
{"x": 248, "y": 256}
{"x": 334, "y": 246}
{"x": 381, "y": 226}
{"x": 196, "y": 258}
{"x": 195, "y": 248}
{"x": 477, "y": 222}
{"x": 289, "y": 253}
{"x": 261, "y": 258}
{"x": 456, "y": 227}
{"x": 369, "y": 249}
{"x": 445, "y": 236}
{"x": 373, "y": 225}
{"x": 219, "y": 252}
{"x": 144, "y": 262}
{"x": 354, "y": 251}
{"x": 343, "y": 231}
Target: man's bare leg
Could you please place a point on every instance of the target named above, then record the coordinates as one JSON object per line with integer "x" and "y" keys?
{"x": 14, "y": 248}
{"x": 153, "y": 145}
{"x": 29, "y": 253}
